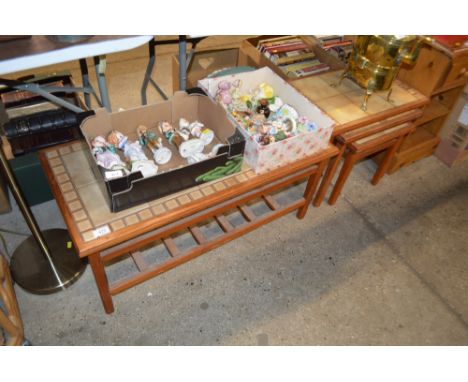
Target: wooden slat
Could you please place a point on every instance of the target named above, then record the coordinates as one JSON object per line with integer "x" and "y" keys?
{"x": 247, "y": 213}
{"x": 139, "y": 261}
{"x": 171, "y": 247}
{"x": 127, "y": 283}
{"x": 272, "y": 203}
{"x": 224, "y": 223}
{"x": 382, "y": 137}
{"x": 197, "y": 234}
{"x": 150, "y": 237}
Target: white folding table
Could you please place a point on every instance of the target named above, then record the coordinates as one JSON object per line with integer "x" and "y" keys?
{"x": 39, "y": 51}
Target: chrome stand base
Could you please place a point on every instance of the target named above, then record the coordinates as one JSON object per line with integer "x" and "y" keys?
{"x": 33, "y": 272}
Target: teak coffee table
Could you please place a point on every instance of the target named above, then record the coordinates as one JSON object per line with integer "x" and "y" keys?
{"x": 102, "y": 236}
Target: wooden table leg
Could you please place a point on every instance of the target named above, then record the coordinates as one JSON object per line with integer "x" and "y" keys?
{"x": 310, "y": 189}
{"x": 333, "y": 164}
{"x": 345, "y": 171}
{"x": 97, "y": 265}
{"x": 385, "y": 162}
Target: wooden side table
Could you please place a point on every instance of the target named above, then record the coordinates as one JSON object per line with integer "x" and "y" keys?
{"x": 377, "y": 140}
{"x": 103, "y": 236}
{"x": 342, "y": 103}
{"x": 388, "y": 139}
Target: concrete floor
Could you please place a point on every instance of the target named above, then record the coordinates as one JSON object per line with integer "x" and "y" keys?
{"x": 387, "y": 265}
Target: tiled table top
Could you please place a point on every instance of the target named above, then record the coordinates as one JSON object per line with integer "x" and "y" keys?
{"x": 87, "y": 207}
{"x": 342, "y": 103}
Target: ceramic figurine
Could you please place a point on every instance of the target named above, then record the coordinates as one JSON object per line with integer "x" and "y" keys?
{"x": 191, "y": 148}
{"x": 290, "y": 124}
{"x": 161, "y": 154}
{"x": 134, "y": 153}
{"x": 105, "y": 157}
{"x": 198, "y": 130}
{"x": 276, "y": 104}
{"x": 287, "y": 111}
{"x": 170, "y": 133}
{"x": 223, "y": 95}
{"x": 227, "y": 91}
{"x": 263, "y": 108}
{"x": 188, "y": 148}
{"x": 265, "y": 91}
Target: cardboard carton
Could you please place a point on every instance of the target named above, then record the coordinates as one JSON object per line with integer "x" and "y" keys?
{"x": 264, "y": 158}
{"x": 453, "y": 147}
{"x": 132, "y": 189}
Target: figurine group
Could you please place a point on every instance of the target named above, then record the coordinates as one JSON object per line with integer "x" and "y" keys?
{"x": 265, "y": 116}
{"x": 190, "y": 139}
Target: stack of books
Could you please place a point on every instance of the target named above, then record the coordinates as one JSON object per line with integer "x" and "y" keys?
{"x": 292, "y": 55}
{"x": 337, "y": 46}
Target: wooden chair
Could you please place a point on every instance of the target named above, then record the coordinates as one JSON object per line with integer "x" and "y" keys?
{"x": 361, "y": 143}
{"x": 11, "y": 325}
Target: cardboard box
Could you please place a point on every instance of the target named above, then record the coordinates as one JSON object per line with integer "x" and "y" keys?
{"x": 264, "y": 158}
{"x": 453, "y": 147}
{"x": 250, "y": 56}
{"x": 204, "y": 63}
{"x": 133, "y": 189}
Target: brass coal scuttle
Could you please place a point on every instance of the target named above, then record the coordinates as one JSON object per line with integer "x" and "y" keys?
{"x": 376, "y": 59}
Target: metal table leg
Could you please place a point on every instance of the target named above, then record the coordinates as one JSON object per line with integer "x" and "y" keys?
{"x": 87, "y": 85}
{"x": 149, "y": 71}
{"x": 85, "y": 80}
{"x": 100, "y": 67}
{"x": 182, "y": 62}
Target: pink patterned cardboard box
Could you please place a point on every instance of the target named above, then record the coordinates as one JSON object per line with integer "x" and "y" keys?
{"x": 263, "y": 158}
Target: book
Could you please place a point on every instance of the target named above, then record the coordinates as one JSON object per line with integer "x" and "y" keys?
{"x": 291, "y": 57}
{"x": 265, "y": 45}
{"x": 286, "y": 48}
{"x": 277, "y": 40}
{"x": 309, "y": 70}
{"x": 299, "y": 65}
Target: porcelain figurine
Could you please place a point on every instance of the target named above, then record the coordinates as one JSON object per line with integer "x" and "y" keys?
{"x": 188, "y": 147}
{"x": 198, "y": 130}
{"x": 287, "y": 111}
{"x": 105, "y": 157}
{"x": 170, "y": 133}
{"x": 161, "y": 154}
{"x": 134, "y": 153}
{"x": 191, "y": 148}
{"x": 263, "y": 108}
{"x": 228, "y": 91}
{"x": 265, "y": 90}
